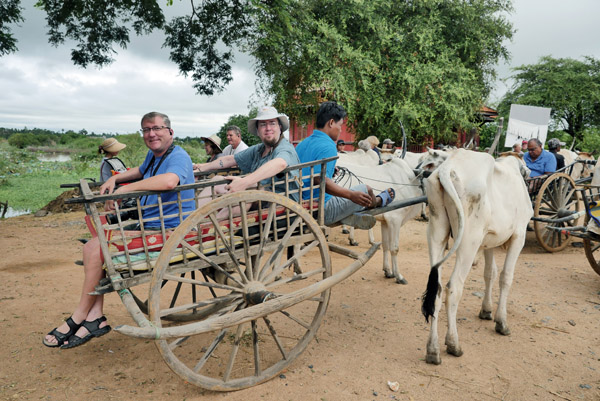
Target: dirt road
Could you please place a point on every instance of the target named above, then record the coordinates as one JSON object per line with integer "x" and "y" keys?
{"x": 373, "y": 332}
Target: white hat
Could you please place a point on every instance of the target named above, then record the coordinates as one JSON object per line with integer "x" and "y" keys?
{"x": 268, "y": 113}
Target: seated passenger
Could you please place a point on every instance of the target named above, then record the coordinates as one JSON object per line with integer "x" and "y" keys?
{"x": 538, "y": 160}
{"x": 260, "y": 162}
{"x": 164, "y": 168}
{"x": 321, "y": 144}
{"x": 554, "y": 145}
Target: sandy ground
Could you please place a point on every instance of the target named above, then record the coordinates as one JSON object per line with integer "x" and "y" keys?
{"x": 373, "y": 331}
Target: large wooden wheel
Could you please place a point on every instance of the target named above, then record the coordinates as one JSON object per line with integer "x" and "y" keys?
{"x": 557, "y": 198}
{"x": 592, "y": 250}
{"x": 245, "y": 276}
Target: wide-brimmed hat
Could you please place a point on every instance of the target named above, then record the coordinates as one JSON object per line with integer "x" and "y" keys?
{"x": 215, "y": 140}
{"x": 554, "y": 143}
{"x": 268, "y": 113}
{"x": 111, "y": 145}
{"x": 387, "y": 141}
{"x": 373, "y": 140}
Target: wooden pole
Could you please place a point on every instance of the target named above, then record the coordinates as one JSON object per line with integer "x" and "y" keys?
{"x": 497, "y": 137}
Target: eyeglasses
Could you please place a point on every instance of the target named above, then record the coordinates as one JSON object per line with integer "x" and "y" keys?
{"x": 155, "y": 129}
{"x": 264, "y": 124}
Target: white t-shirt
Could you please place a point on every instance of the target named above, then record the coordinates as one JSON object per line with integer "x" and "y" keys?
{"x": 228, "y": 151}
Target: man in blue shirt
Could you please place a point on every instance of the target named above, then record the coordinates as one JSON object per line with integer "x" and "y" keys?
{"x": 165, "y": 167}
{"x": 259, "y": 162}
{"x": 340, "y": 202}
{"x": 538, "y": 160}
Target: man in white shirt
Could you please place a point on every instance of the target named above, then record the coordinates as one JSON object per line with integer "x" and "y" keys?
{"x": 234, "y": 137}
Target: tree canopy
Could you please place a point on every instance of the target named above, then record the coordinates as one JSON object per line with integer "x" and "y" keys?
{"x": 429, "y": 63}
{"x": 571, "y": 88}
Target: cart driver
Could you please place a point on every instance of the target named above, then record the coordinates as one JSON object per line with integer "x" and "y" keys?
{"x": 165, "y": 167}
{"x": 340, "y": 202}
{"x": 259, "y": 162}
{"x": 538, "y": 160}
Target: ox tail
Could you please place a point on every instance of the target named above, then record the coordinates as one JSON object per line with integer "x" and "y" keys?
{"x": 433, "y": 283}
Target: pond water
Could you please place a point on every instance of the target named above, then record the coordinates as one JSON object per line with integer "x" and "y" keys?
{"x": 10, "y": 212}
{"x": 54, "y": 157}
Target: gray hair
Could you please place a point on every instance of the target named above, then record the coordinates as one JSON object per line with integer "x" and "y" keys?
{"x": 153, "y": 114}
{"x": 234, "y": 128}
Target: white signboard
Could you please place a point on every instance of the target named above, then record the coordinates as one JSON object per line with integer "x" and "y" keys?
{"x": 526, "y": 122}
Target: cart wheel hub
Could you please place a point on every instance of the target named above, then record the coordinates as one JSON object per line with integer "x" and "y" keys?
{"x": 255, "y": 293}
{"x": 563, "y": 213}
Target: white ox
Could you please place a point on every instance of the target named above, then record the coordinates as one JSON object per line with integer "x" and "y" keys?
{"x": 486, "y": 204}
{"x": 397, "y": 175}
{"x": 580, "y": 170}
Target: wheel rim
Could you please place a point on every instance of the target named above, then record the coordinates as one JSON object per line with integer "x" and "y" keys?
{"x": 592, "y": 250}
{"x": 557, "y": 198}
{"x": 243, "y": 355}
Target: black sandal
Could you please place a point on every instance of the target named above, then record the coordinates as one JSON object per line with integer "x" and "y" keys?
{"x": 94, "y": 331}
{"x": 62, "y": 337}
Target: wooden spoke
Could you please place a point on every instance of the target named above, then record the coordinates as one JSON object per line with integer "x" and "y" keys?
{"x": 234, "y": 351}
{"x": 557, "y": 198}
{"x": 275, "y": 337}
{"x": 282, "y": 245}
{"x": 210, "y": 350}
{"x": 289, "y": 262}
{"x": 213, "y": 219}
{"x": 202, "y": 283}
{"x": 295, "y": 319}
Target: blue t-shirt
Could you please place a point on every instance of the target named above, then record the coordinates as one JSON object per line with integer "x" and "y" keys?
{"x": 318, "y": 146}
{"x": 251, "y": 159}
{"x": 177, "y": 162}
{"x": 545, "y": 162}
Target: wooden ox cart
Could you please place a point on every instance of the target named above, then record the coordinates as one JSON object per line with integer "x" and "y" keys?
{"x": 224, "y": 306}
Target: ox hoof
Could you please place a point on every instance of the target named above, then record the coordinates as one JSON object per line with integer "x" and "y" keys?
{"x": 456, "y": 351}
{"x": 344, "y": 231}
{"x": 502, "y": 329}
{"x": 484, "y": 315}
{"x": 388, "y": 274}
{"x": 433, "y": 359}
{"x": 401, "y": 280}
{"x": 353, "y": 243}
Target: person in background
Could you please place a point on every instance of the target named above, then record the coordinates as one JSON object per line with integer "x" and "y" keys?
{"x": 524, "y": 145}
{"x": 518, "y": 149}
{"x": 554, "y": 145}
{"x": 374, "y": 142}
{"x": 165, "y": 167}
{"x": 234, "y": 137}
{"x": 110, "y": 148}
{"x": 340, "y": 146}
{"x": 212, "y": 146}
{"x": 538, "y": 160}
{"x": 388, "y": 145}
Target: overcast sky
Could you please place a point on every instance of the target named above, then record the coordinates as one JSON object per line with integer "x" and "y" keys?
{"x": 40, "y": 87}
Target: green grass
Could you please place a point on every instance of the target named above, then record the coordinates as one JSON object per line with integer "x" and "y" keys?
{"x": 29, "y": 184}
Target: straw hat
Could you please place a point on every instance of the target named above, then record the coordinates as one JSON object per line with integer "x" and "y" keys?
{"x": 111, "y": 145}
{"x": 373, "y": 140}
{"x": 215, "y": 140}
{"x": 268, "y": 113}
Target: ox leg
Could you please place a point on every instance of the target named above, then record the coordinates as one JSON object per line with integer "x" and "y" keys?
{"x": 371, "y": 236}
{"x": 351, "y": 237}
{"x": 345, "y": 229}
{"x": 490, "y": 273}
{"x": 385, "y": 243}
{"x": 464, "y": 260}
{"x": 437, "y": 236}
{"x": 506, "y": 278}
{"x": 394, "y": 226}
